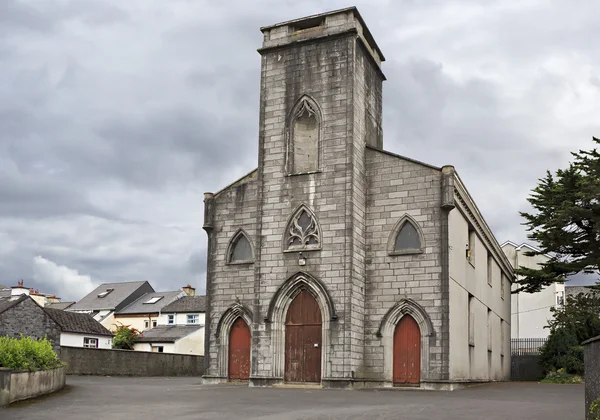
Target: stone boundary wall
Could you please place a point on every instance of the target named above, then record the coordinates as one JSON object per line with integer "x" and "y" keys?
{"x": 111, "y": 362}
{"x": 591, "y": 357}
{"x": 17, "y": 386}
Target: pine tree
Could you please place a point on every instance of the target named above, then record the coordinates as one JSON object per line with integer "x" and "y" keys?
{"x": 565, "y": 222}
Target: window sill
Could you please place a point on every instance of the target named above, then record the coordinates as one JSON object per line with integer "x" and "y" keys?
{"x": 405, "y": 252}
{"x": 318, "y": 171}
{"x": 244, "y": 262}
{"x": 289, "y": 250}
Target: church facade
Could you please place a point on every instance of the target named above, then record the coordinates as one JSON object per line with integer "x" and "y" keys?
{"x": 337, "y": 262}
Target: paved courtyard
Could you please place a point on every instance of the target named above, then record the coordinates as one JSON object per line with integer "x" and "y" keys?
{"x": 185, "y": 398}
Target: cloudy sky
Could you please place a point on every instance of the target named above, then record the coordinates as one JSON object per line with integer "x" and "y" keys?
{"x": 116, "y": 116}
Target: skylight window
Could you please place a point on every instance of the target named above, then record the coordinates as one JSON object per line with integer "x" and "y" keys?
{"x": 106, "y": 292}
{"x": 154, "y": 299}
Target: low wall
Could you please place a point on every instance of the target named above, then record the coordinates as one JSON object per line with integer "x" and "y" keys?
{"x": 17, "y": 386}
{"x": 591, "y": 357}
{"x": 105, "y": 362}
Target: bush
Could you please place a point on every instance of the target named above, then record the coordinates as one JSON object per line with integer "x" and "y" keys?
{"x": 562, "y": 351}
{"x": 561, "y": 377}
{"x": 125, "y": 336}
{"x": 25, "y": 353}
{"x": 595, "y": 409}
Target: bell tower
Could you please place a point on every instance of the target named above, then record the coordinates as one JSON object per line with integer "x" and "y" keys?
{"x": 320, "y": 107}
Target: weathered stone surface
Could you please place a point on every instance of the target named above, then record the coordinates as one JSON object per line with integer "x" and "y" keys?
{"x": 29, "y": 319}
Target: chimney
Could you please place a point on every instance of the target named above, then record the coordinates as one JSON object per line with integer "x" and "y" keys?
{"x": 19, "y": 290}
{"x": 189, "y": 290}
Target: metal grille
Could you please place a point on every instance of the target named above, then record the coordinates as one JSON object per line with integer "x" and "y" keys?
{"x": 526, "y": 346}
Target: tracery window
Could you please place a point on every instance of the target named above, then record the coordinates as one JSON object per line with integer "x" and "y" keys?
{"x": 303, "y": 231}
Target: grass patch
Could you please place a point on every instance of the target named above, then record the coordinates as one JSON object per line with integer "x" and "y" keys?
{"x": 562, "y": 377}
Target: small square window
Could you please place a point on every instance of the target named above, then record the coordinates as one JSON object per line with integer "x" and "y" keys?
{"x": 89, "y": 342}
{"x": 170, "y": 319}
{"x": 146, "y": 324}
{"x": 154, "y": 323}
{"x": 157, "y": 349}
{"x": 193, "y": 319}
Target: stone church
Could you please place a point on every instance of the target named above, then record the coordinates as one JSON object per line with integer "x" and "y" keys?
{"x": 337, "y": 262}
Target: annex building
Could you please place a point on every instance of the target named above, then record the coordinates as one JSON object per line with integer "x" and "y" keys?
{"x": 335, "y": 261}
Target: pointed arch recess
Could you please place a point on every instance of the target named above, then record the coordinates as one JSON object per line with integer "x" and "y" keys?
{"x": 391, "y": 245}
{"x": 276, "y": 316}
{"x": 294, "y": 230}
{"x": 235, "y": 311}
{"x": 304, "y": 105}
{"x": 233, "y": 242}
{"x": 386, "y": 333}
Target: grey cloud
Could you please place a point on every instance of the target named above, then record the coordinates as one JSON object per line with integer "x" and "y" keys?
{"x": 109, "y": 108}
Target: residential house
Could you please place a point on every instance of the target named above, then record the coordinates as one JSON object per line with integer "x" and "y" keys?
{"x": 575, "y": 290}
{"x": 180, "y": 328}
{"x": 188, "y": 310}
{"x": 531, "y": 311}
{"x": 24, "y": 315}
{"x": 143, "y": 313}
{"x": 108, "y": 298}
{"x": 179, "y": 339}
{"x": 42, "y": 299}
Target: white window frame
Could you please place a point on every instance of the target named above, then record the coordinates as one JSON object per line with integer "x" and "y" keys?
{"x": 90, "y": 342}
{"x": 154, "y": 323}
{"x": 159, "y": 349}
{"x": 171, "y": 319}
{"x": 195, "y": 318}
{"x": 146, "y": 324}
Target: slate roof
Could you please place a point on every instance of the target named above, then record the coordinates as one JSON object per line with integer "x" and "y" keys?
{"x": 112, "y": 301}
{"x": 60, "y": 305}
{"x": 5, "y": 293}
{"x": 167, "y": 333}
{"x": 139, "y": 306}
{"x": 187, "y": 304}
{"x": 76, "y": 322}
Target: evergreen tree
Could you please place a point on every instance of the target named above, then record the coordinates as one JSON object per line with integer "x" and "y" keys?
{"x": 565, "y": 222}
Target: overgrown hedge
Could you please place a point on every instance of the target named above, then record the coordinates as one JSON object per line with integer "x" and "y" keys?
{"x": 25, "y": 353}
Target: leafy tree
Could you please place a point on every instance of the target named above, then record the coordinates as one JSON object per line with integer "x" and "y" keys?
{"x": 125, "y": 336}
{"x": 565, "y": 222}
{"x": 580, "y": 315}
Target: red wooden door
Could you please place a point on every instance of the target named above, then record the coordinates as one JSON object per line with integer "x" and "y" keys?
{"x": 303, "y": 339}
{"x": 407, "y": 351}
{"x": 239, "y": 350}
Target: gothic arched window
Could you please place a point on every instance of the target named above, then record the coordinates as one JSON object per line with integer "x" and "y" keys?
{"x": 304, "y": 132}
{"x": 406, "y": 238}
{"x": 240, "y": 249}
{"x": 303, "y": 231}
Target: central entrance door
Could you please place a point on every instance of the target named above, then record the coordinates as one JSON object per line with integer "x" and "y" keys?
{"x": 407, "y": 352}
{"x": 303, "y": 339}
{"x": 239, "y": 351}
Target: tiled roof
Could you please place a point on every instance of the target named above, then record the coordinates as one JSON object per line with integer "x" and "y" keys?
{"x": 77, "y": 322}
{"x": 167, "y": 333}
{"x": 59, "y": 305}
{"x": 140, "y": 306}
{"x": 187, "y": 304}
{"x": 116, "y": 296}
{"x": 5, "y": 293}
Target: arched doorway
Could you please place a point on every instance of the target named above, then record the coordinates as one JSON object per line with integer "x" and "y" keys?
{"x": 407, "y": 352}
{"x": 303, "y": 335}
{"x": 239, "y": 351}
